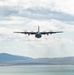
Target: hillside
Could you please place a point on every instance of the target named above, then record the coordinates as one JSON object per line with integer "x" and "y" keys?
{"x": 8, "y": 59}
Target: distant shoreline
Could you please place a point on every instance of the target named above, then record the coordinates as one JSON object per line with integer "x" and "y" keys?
{"x": 21, "y": 64}
{"x": 31, "y": 64}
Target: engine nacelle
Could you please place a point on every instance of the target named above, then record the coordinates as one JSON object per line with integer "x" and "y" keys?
{"x": 28, "y": 34}
{"x": 50, "y": 32}
{"x": 47, "y": 34}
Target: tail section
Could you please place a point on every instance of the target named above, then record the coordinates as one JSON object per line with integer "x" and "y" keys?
{"x": 38, "y": 29}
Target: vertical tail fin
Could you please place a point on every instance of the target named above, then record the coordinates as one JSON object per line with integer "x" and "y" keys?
{"x": 38, "y": 29}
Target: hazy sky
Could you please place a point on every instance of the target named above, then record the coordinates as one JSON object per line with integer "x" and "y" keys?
{"x": 27, "y": 15}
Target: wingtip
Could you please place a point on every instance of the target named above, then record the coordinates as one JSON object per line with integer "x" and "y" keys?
{"x": 61, "y": 32}
{"x": 14, "y": 32}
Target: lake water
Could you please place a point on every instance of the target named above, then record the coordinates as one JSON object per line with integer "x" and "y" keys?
{"x": 37, "y": 70}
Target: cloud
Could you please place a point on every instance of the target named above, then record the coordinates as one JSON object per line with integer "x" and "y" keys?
{"x": 32, "y": 25}
{"x": 64, "y": 41}
{"x": 35, "y": 13}
{"x": 62, "y": 25}
{"x": 66, "y": 6}
{"x": 39, "y": 10}
{"x": 6, "y": 12}
{"x": 54, "y": 25}
{"x": 8, "y": 34}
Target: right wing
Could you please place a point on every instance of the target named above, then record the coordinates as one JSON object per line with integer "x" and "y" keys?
{"x": 51, "y": 32}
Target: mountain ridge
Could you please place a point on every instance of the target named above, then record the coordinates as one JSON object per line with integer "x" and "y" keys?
{"x": 9, "y": 59}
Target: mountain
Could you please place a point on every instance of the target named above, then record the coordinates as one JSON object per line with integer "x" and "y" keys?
{"x": 4, "y": 57}
{"x": 8, "y": 59}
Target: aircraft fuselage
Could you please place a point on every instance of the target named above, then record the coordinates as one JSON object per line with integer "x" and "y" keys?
{"x": 38, "y": 35}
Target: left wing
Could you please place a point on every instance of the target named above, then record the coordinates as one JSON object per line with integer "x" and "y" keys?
{"x": 26, "y": 32}
{"x": 51, "y": 32}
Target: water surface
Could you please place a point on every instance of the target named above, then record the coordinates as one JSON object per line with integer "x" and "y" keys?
{"x": 37, "y": 70}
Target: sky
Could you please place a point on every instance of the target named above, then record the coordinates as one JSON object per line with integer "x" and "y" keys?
{"x": 27, "y": 15}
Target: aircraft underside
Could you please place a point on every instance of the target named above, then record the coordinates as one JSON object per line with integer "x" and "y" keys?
{"x": 38, "y": 36}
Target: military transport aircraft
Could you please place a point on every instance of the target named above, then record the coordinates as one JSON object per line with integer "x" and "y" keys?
{"x": 38, "y": 34}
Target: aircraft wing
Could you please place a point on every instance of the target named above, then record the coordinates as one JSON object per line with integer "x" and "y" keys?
{"x": 51, "y": 32}
{"x": 26, "y": 32}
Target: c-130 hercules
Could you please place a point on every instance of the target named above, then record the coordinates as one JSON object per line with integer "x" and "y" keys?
{"x": 39, "y": 34}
